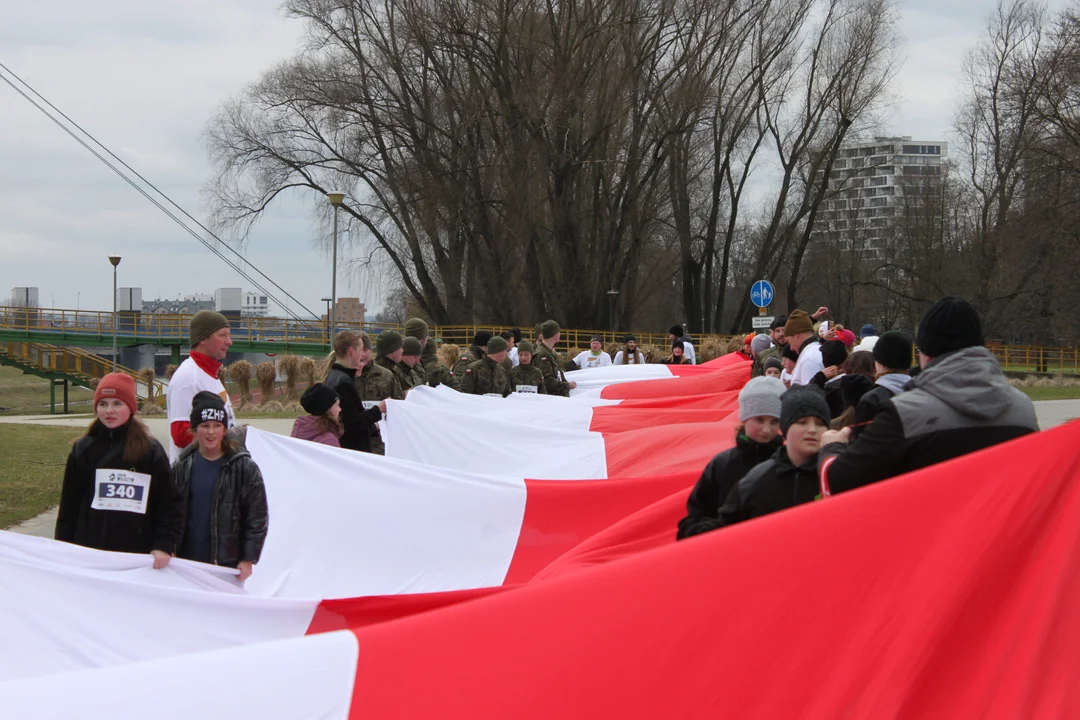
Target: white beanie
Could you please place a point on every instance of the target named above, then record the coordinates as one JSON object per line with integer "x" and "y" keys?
{"x": 760, "y": 396}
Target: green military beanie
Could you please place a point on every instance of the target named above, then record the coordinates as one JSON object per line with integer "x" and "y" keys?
{"x": 497, "y": 345}
{"x": 525, "y": 346}
{"x": 416, "y": 328}
{"x": 388, "y": 341}
{"x": 204, "y": 324}
{"x": 549, "y": 329}
{"x": 412, "y": 347}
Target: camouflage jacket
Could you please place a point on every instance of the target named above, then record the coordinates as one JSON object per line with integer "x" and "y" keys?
{"x": 551, "y": 366}
{"x": 527, "y": 375}
{"x": 483, "y": 377}
{"x": 399, "y": 371}
{"x": 758, "y": 368}
{"x": 416, "y": 373}
{"x": 375, "y": 383}
{"x": 435, "y": 372}
{"x": 474, "y": 353}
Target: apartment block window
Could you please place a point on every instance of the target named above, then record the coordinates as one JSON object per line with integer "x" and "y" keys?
{"x": 878, "y": 202}
{"x": 922, "y": 149}
{"x": 878, "y": 180}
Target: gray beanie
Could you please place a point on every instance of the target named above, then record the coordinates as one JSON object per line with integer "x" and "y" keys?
{"x": 760, "y": 396}
{"x": 803, "y": 401}
{"x": 760, "y": 344}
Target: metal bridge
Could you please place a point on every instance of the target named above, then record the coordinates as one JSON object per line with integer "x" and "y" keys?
{"x": 66, "y": 366}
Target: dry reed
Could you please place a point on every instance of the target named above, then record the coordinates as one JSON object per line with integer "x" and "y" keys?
{"x": 266, "y": 374}
{"x": 240, "y": 373}
{"x": 308, "y": 369}
{"x": 290, "y": 366}
{"x": 170, "y": 370}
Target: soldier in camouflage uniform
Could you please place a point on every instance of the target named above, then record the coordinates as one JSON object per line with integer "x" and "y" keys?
{"x": 487, "y": 377}
{"x": 410, "y": 362}
{"x": 507, "y": 363}
{"x": 525, "y": 373}
{"x": 474, "y": 353}
{"x": 389, "y": 346}
{"x": 376, "y": 383}
{"x": 417, "y": 328}
{"x": 433, "y": 371}
{"x": 548, "y": 361}
{"x": 776, "y": 332}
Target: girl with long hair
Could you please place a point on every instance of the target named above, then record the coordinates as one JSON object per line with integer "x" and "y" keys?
{"x": 117, "y": 493}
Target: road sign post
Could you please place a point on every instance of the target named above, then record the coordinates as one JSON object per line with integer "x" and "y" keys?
{"x": 762, "y": 294}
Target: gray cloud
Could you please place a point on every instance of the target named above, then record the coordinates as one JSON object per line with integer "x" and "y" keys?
{"x": 145, "y": 77}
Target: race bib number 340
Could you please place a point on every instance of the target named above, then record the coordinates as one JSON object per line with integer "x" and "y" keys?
{"x": 121, "y": 490}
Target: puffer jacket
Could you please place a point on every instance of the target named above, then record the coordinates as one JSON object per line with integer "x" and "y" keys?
{"x": 774, "y": 485}
{"x": 309, "y": 427}
{"x": 717, "y": 480}
{"x": 117, "y": 530}
{"x": 239, "y": 517}
{"x": 960, "y": 403}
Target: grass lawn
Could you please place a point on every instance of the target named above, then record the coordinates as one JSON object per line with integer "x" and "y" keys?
{"x": 31, "y": 469}
{"x": 1052, "y": 393}
{"x": 29, "y": 394}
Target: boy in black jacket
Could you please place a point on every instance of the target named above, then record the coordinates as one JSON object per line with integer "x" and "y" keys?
{"x": 756, "y": 440}
{"x": 790, "y": 477}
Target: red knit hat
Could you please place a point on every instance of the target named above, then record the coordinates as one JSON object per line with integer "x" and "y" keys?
{"x": 120, "y": 387}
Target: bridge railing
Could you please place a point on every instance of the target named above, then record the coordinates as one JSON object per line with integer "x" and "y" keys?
{"x": 170, "y": 329}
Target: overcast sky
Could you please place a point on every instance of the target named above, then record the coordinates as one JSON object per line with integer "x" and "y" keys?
{"x": 145, "y": 76}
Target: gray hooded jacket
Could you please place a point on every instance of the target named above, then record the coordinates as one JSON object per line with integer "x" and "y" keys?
{"x": 959, "y": 404}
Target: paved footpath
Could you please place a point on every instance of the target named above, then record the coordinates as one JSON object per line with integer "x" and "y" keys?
{"x": 1051, "y": 413}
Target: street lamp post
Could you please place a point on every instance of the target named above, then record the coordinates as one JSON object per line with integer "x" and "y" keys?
{"x": 336, "y": 198}
{"x": 327, "y": 323}
{"x": 115, "y": 260}
{"x": 613, "y": 295}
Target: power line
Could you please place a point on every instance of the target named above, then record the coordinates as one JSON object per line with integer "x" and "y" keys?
{"x": 145, "y": 194}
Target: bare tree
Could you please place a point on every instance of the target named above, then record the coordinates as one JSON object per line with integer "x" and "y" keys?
{"x": 839, "y": 78}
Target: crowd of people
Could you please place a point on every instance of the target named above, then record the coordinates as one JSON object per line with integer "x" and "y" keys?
{"x": 824, "y": 412}
{"x": 843, "y": 412}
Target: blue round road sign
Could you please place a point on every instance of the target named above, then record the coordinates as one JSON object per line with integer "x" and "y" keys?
{"x": 761, "y": 294}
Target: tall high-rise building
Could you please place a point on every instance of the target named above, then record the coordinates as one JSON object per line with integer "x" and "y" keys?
{"x": 867, "y": 186}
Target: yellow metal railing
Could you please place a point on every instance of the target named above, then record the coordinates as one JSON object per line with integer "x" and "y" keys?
{"x": 166, "y": 329}
{"x": 76, "y": 363}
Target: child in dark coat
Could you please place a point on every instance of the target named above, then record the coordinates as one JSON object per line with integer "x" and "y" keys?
{"x": 756, "y": 440}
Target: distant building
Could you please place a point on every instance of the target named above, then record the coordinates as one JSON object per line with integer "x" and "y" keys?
{"x": 870, "y": 179}
{"x": 348, "y": 310}
{"x": 129, "y": 300}
{"x": 189, "y": 305}
{"x": 255, "y": 305}
{"x": 26, "y": 297}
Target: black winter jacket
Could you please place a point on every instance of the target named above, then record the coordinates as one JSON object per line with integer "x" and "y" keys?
{"x": 772, "y": 486}
{"x": 959, "y": 404}
{"x": 117, "y": 530}
{"x": 358, "y": 423}
{"x": 873, "y": 401}
{"x": 717, "y": 480}
{"x": 239, "y": 518}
